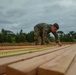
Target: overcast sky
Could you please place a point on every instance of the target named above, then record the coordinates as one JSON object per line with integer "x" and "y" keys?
{"x": 25, "y": 14}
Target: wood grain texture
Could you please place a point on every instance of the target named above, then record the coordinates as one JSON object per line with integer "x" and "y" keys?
{"x": 59, "y": 65}
{"x": 13, "y": 59}
{"x": 29, "y": 67}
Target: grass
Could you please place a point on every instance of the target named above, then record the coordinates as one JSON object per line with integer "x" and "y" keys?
{"x": 6, "y": 53}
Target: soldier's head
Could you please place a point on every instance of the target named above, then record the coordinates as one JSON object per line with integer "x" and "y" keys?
{"x": 54, "y": 27}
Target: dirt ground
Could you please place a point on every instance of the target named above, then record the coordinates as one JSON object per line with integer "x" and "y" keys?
{"x": 29, "y": 46}
{"x": 21, "y": 47}
{"x": 15, "y": 47}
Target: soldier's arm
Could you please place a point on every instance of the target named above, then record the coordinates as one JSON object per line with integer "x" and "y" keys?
{"x": 56, "y": 37}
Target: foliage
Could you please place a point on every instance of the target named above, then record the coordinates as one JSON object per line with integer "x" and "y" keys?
{"x": 69, "y": 37}
{"x": 21, "y": 37}
{"x": 30, "y": 36}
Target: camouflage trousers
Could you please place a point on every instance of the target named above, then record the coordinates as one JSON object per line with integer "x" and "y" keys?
{"x": 38, "y": 36}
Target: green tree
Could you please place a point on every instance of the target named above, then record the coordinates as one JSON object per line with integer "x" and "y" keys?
{"x": 30, "y": 36}
{"x": 60, "y": 32}
{"x": 4, "y": 35}
{"x": 17, "y": 38}
{"x": 9, "y": 39}
{"x": 61, "y": 35}
{"x": 20, "y": 37}
{"x": 1, "y": 38}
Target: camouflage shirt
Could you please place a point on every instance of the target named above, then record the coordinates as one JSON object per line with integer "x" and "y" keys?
{"x": 45, "y": 28}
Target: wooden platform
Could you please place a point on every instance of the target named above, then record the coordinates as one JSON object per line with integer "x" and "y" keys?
{"x": 13, "y": 59}
{"x": 58, "y": 61}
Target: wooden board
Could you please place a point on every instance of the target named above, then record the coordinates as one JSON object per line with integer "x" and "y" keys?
{"x": 29, "y": 67}
{"x": 58, "y": 66}
{"x": 8, "y": 60}
{"x": 72, "y": 68}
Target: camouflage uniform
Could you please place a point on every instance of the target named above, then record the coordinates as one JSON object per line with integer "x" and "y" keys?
{"x": 41, "y": 30}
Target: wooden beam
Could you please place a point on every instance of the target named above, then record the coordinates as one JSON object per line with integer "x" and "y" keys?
{"x": 29, "y": 67}
{"x": 72, "y": 68}
{"x": 58, "y": 66}
{"x": 13, "y": 59}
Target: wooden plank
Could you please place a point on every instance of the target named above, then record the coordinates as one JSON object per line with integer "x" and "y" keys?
{"x": 8, "y": 60}
{"x": 58, "y": 66}
{"x": 29, "y": 67}
{"x": 72, "y": 68}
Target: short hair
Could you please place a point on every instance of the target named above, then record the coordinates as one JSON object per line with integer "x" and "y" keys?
{"x": 56, "y": 25}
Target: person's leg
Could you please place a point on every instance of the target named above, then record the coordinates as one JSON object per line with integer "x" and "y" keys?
{"x": 36, "y": 35}
{"x": 41, "y": 35}
{"x": 47, "y": 41}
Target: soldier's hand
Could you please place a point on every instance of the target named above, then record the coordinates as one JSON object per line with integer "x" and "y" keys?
{"x": 59, "y": 43}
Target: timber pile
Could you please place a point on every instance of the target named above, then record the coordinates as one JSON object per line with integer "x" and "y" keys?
{"x": 58, "y": 61}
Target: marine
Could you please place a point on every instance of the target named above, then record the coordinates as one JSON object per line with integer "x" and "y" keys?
{"x": 41, "y": 31}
